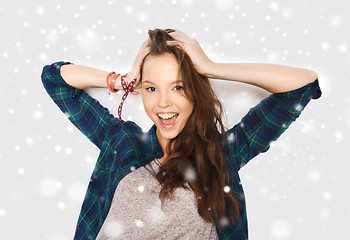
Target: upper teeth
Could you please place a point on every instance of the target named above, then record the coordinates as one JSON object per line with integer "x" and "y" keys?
{"x": 166, "y": 116}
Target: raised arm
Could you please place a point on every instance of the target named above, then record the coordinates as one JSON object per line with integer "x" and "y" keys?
{"x": 83, "y": 77}
{"x": 272, "y": 77}
{"x": 86, "y": 113}
{"x": 292, "y": 89}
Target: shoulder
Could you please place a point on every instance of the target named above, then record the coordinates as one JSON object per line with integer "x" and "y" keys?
{"x": 122, "y": 131}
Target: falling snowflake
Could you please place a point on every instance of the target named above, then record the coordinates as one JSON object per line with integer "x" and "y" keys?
{"x": 280, "y": 230}
{"x": 327, "y": 196}
{"x": 140, "y": 188}
{"x": 49, "y": 186}
{"x": 231, "y": 137}
{"x": 190, "y": 174}
{"x": 224, "y": 222}
{"x": 138, "y": 223}
{"x": 3, "y": 212}
{"x": 298, "y": 107}
{"x": 113, "y": 229}
{"x": 227, "y": 189}
{"x": 155, "y": 214}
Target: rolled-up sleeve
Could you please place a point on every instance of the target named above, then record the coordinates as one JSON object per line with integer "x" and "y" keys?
{"x": 266, "y": 121}
{"x": 85, "y": 112}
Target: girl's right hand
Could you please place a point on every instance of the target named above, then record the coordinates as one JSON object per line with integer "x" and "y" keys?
{"x": 136, "y": 67}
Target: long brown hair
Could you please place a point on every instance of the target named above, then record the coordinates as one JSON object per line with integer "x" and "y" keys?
{"x": 195, "y": 155}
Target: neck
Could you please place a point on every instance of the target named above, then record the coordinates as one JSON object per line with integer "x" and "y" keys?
{"x": 163, "y": 144}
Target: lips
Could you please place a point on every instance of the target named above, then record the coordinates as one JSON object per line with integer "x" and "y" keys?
{"x": 167, "y": 120}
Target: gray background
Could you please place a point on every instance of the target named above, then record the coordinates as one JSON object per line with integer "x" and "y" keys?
{"x": 296, "y": 190}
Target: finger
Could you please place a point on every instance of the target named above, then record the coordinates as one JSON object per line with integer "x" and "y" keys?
{"x": 175, "y": 43}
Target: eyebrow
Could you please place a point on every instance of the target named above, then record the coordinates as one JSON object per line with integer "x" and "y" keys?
{"x": 173, "y": 82}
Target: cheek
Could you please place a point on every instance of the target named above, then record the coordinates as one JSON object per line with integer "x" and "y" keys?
{"x": 186, "y": 106}
{"x": 147, "y": 104}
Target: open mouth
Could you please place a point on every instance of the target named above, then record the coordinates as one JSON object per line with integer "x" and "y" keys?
{"x": 167, "y": 120}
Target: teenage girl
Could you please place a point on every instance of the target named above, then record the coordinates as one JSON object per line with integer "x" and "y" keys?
{"x": 180, "y": 179}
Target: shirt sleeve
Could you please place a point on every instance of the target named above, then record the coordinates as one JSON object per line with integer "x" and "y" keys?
{"x": 85, "y": 112}
{"x": 266, "y": 121}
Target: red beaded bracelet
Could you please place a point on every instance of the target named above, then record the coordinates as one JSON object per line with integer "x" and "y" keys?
{"x": 110, "y": 81}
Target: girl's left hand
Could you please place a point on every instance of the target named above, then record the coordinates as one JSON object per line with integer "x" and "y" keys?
{"x": 193, "y": 49}
{"x": 136, "y": 67}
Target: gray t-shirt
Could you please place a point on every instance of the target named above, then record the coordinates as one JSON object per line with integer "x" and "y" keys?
{"x": 136, "y": 211}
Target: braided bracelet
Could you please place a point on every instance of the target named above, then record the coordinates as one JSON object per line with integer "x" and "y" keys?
{"x": 128, "y": 88}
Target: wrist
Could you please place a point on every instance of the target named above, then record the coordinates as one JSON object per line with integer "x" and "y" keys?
{"x": 209, "y": 69}
{"x": 117, "y": 84}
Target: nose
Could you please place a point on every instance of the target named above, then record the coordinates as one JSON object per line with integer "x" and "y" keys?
{"x": 164, "y": 100}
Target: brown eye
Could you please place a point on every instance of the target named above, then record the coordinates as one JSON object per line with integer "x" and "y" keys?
{"x": 151, "y": 89}
{"x": 178, "y": 88}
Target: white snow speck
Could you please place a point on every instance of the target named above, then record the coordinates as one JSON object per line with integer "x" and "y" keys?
{"x": 288, "y": 12}
{"x": 89, "y": 40}
{"x": 143, "y": 16}
{"x": 67, "y": 114}
{"x": 231, "y": 137}
{"x": 324, "y": 214}
{"x": 20, "y": 171}
{"x": 227, "y": 189}
{"x": 327, "y": 196}
{"x": 49, "y": 186}
{"x": 37, "y": 114}
{"x": 61, "y": 205}
{"x": 140, "y": 188}
{"x": 280, "y": 230}
{"x": 43, "y": 57}
{"x": 190, "y": 174}
{"x": 223, "y": 4}
{"x": 155, "y": 214}
{"x": 76, "y": 192}
{"x": 70, "y": 128}
{"x": 275, "y": 198}
{"x": 113, "y": 229}
{"x": 138, "y": 223}
{"x": 88, "y": 159}
{"x": 129, "y": 9}
{"x": 29, "y": 141}
{"x": 187, "y": 3}
{"x": 338, "y": 135}
{"x": 335, "y": 20}
{"x": 342, "y": 48}
{"x": 314, "y": 175}
{"x": 325, "y": 45}
{"x": 68, "y": 150}
{"x": 40, "y": 10}
{"x": 3, "y": 212}
{"x": 57, "y": 148}
{"x": 274, "y": 5}
{"x": 298, "y": 107}
{"x": 223, "y": 221}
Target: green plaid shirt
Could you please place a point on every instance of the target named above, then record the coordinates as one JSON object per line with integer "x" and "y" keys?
{"x": 125, "y": 147}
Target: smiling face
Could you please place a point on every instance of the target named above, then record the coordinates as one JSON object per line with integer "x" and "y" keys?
{"x": 163, "y": 96}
